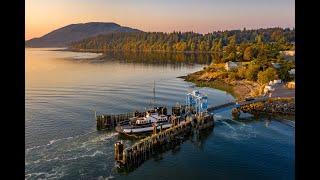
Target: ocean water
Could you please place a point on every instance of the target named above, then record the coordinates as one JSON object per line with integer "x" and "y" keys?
{"x": 63, "y": 89}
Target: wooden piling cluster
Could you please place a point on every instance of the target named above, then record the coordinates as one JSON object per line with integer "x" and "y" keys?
{"x": 236, "y": 113}
{"x": 133, "y": 156}
{"x": 107, "y": 121}
{"x": 204, "y": 122}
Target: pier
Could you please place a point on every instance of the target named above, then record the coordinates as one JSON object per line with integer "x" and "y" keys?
{"x": 194, "y": 116}
{"x": 109, "y": 121}
{"x": 215, "y": 108}
{"x": 133, "y": 156}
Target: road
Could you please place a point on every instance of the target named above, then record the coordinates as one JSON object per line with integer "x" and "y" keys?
{"x": 282, "y": 91}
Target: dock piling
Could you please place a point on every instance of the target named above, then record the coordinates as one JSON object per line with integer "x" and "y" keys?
{"x": 107, "y": 121}
{"x": 133, "y": 156}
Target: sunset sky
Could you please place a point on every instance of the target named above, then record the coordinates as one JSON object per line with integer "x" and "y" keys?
{"x": 203, "y": 16}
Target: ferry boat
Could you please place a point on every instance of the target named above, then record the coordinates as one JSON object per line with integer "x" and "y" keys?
{"x": 145, "y": 122}
{"x": 196, "y": 103}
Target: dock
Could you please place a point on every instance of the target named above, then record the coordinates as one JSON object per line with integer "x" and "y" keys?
{"x": 221, "y": 106}
{"x": 194, "y": 116}
{"x": 109, "y": 121}
{"x": 133, "y": 156}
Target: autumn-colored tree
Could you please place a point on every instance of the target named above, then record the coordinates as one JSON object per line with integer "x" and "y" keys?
{"x": 226, "y": 42}
{"x": 248, "y": 54}
{"x": 242, "y": 71}
{"x": 252, "y": 72}
{"x": 267, "y": 75}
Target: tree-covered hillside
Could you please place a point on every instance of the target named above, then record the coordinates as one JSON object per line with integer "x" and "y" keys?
{"x": 233, "y": 45}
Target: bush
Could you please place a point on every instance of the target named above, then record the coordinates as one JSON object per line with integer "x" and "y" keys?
{"x": 242, "y": 72}
{"x": 233, "y": 76}
{"x": 252, "y": 72}
{"x": 283, "y": 71}
{"x": 223, "y": 75}
{"x": 267, "y": 75}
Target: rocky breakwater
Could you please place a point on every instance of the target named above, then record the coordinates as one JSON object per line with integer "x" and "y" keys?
{"x": 285, "y": 106}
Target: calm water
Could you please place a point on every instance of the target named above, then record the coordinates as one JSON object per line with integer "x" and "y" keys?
{"x": 62, "y": 142}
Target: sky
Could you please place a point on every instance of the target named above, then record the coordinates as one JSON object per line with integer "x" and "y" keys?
{"x": 202, "y": 16}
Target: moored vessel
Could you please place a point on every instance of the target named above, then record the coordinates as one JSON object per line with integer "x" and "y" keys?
{"x": 157, "y": 118}
{"x": 146, "y": 121}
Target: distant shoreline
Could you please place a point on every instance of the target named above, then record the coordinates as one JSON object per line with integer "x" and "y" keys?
{"x": 101, "y": 51}
{"x": 151, "y": 51}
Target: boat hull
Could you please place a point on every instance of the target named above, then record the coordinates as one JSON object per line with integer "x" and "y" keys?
{"x": 139, "y": 130}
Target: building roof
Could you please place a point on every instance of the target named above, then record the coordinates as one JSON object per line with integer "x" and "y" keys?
{"x": 276, "y": 65}
{"x": 292, "y": 71}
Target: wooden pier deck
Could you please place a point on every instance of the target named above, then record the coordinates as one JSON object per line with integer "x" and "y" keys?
{"x": 133, "y": 156}
{"x": 236, "y": 104}
{"x": 214, "y": 108}
{"x": 108, "y": 121}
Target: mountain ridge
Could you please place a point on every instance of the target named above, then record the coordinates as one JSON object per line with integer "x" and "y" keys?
{"x": 63, "y": 36}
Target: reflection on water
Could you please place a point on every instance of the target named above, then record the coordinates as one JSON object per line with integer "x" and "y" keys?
{"x": 158, "y": 58}
{"x": 62, "y": 141}
{"x": 199, "y": 138}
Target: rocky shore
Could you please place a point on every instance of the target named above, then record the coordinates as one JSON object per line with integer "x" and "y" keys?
{"x": 238, "y": 88}
{"x": 285, "y": 106}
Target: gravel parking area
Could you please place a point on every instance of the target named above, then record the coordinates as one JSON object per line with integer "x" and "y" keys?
{"x": 282, "y": 91}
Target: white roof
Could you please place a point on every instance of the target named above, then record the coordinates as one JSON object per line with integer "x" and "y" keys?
{"x": 292, "y": 71}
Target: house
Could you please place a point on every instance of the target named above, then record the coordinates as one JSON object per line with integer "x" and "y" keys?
{"x": 267, "y": 89}
{"x": 292, "y": 72}
{"x": 270, "y": 83}
{"x": 277, "y": 81}
{"x": 276, "y": 65}
{"x": 288, "y": 53}
{"x": 291, "y": 85}
{"x": 231, "y": 65}
{"x": 274, "y": 82}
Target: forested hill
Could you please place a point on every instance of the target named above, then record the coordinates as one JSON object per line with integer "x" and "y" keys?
{"x": 74, "y": 32}
{"x": 219, "y": 41}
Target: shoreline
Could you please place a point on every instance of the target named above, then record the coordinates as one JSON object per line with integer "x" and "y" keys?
{"x": 217, "y": 84}
{"x": 104, "y": 51}
{"x": 238, "y": 89}
{"x": 273, "y": 106}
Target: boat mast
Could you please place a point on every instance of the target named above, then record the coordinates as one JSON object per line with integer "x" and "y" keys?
{"x": 154, "y": 93}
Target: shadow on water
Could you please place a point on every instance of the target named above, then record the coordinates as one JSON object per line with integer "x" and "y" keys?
{"x": 199, "y": 137}
{"x": 133, "y": 138}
